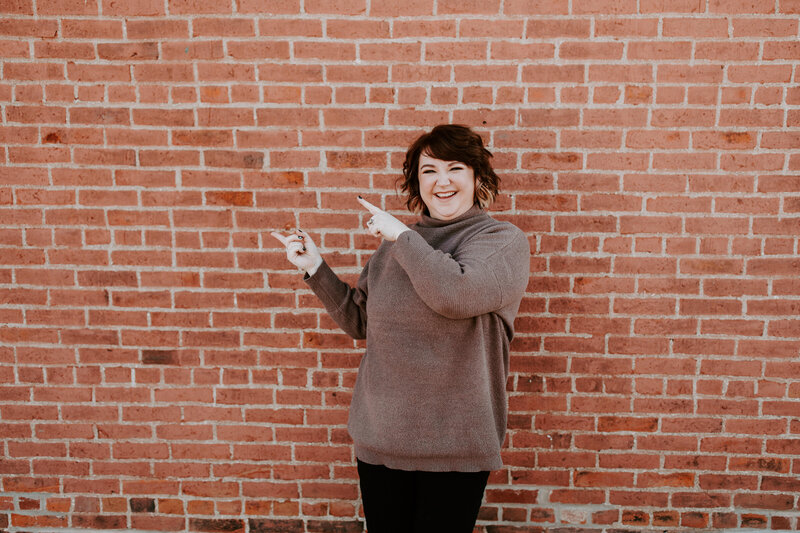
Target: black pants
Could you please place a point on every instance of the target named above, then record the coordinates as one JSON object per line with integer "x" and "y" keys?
{"x": 420, "y": 502}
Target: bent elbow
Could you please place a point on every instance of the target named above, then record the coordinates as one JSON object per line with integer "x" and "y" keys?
{"x": 465, "y": 299}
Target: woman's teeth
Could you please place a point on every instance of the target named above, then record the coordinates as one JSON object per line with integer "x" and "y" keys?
{"x": 445, "y": 195}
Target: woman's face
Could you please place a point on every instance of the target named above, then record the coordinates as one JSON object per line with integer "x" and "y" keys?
{"x": 447, "y": 187}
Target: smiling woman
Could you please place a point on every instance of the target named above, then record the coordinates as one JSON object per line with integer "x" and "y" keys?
{"x": 461, "y": 150}
{"x": 436, "y": 303}
{"x": 447, "y": 187}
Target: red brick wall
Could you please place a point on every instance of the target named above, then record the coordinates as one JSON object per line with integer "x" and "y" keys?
{"x": 163, "y": 367}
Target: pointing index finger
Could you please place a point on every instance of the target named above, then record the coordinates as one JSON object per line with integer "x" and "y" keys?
{"x": 280, "y": 237}
{"x": 371, "y": 208}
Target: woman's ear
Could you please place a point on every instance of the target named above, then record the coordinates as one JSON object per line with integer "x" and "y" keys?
{"x": 482, "y": 193}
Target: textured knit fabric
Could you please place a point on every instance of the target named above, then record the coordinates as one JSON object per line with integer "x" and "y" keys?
{"x": 437, "y": 308}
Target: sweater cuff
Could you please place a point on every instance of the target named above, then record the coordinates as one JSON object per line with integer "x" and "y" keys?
{"x": 321, "y": 276}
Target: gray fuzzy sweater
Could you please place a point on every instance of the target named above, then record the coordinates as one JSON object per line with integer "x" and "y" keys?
{"x": 437, "y": 308}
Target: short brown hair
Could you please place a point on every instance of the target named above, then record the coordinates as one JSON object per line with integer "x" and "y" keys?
{"x": 450, "y": 142}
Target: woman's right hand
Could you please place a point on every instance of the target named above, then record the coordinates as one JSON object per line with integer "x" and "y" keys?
{"x": 301, "y": 251}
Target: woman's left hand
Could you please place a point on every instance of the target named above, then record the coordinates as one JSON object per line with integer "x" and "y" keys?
{"x": 382, "y": 224}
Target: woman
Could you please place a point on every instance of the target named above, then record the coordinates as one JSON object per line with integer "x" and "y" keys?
{"x": 436, "y": 303}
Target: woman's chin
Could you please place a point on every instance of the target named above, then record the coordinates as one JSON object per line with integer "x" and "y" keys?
{"x": 447, "y": 213}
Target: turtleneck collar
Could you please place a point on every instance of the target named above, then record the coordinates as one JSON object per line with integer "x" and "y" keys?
{"x": 427, "y": 221}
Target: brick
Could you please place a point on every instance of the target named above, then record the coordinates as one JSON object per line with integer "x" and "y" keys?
{"x": 727, "y": 51}
{"x": 543, "y": 74}
{"x": 157, "y": 28}
{"x": 577, "y": 496}
{"x": 216, "y": 524}
{"x": 768, "y": 73}
{"x": 754, "y": 27}
{"x": 673, "y": 50}
{"x": 707, "y": 500}
{"x": 621, "y": 26}
{"x": 263, "y": 525}
{"x": 67, "y": 7}
{"x": 75, "y": 51}
{"x": 764, "y": 501}
{"x": 739, "y": 6}
{"x": 19, "y": 7}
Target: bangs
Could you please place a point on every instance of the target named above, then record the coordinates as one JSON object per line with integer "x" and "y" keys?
{"x": 439, "y": 147}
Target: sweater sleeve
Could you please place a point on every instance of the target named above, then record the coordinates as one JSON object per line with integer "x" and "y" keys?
{"x": 346, "y": 305}
{"x": 483, "y": 275}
